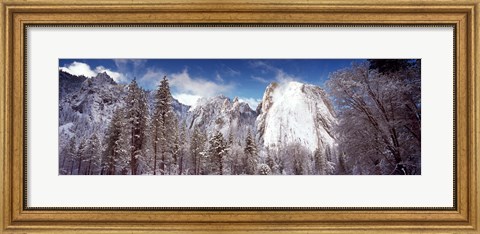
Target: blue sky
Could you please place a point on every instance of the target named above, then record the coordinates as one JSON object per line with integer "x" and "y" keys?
{"x": 191, "y": 79}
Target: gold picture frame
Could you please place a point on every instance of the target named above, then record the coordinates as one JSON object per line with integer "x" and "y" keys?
{"x": 17, "y": 14}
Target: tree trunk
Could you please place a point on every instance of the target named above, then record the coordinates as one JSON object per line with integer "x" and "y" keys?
{"x": 155, "y": 160}
{"x": 162, "y": 164}
{"x": 87, "y": 171}
{"x": 180, "y": 165}
{"x": 63, "y": 161}
{"x": 220, "y": 161}
{"x": 79, "y": 166}
{"x": 195, "y": 168}
{"x": 155, "y": 151}
{"x": 71, "y": 167}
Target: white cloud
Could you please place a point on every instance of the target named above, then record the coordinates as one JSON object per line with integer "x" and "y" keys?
{"x": 120, "y": 62}
{"x": 183, "y": 83}
{"x": 280, "y": 75}
{"x": 187, "y": 99}
{"x": 123, "y": 64}
{"x": 229, "y": 71}
{"x": 218, "y": 77}
{"x": 79, "y": 69}
{"x": 83, "y": 69}
{"x": 283, "y": 77}
{"x": 261, "y": 79}
{"x": 252, "y": 102}
{"x": 151, "y": 78}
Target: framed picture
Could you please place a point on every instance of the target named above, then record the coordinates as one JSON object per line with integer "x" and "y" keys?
{"x": 239, "y": 116}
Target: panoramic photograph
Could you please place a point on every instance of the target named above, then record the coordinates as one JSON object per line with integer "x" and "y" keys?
{"x": 239, "y": 117}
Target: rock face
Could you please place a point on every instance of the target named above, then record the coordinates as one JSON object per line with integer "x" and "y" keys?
{"x": 296, "y": 113}
{"x": 69, "y": 83}
{"x": 90, "y": 107}
{"x": 290, "y": 113}
{"x": 222, "y": 114}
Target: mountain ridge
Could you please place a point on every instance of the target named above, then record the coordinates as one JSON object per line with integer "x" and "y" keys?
{"x": 290, "y": 113}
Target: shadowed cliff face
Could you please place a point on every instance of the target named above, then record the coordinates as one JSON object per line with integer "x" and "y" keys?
{"x": 222, "y": 114}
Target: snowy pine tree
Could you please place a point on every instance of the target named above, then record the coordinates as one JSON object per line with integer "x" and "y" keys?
{"x": 320, "y": 162}
{"x": 272, "y": 162}
{"x": 216, "y": 152}
{"x": 182, "y": 150}
{"x": 165, "y": 129}
{"x": 69, "y": 157}
{"x": 197, "y": 148}
{"x": 92, "y": 156}
{"x": 228, "y": 158}
{"x": 81, "y": 155}
{"x": 174, "y": 147}
{"x": 136, "y": 116}
{"x": 158, "y": 141}
{"x": 251, "y": 154}
{"x": 114, "y": 153}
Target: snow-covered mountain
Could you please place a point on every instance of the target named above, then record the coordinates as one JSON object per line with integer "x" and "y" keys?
{"x": 222, "y": 114}
{"x": 89, "y": 107}
{"x": 69, "y": 83}
{"x": 89, "y": 103}
{"x": 109, "y": 128}
{"x": 289, "y": 113}
{"x": 292, "y": 113}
